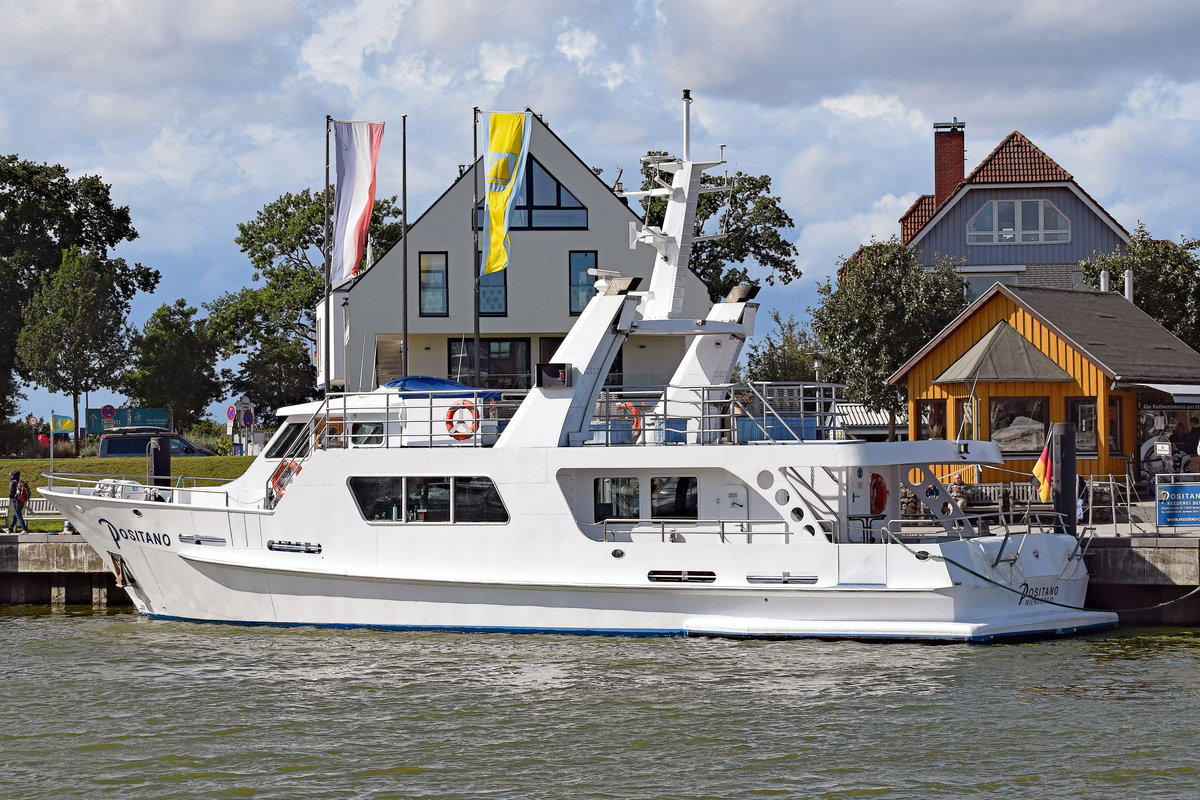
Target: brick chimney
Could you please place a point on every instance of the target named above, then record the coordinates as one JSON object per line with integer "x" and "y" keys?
{"x": 949, "y": 155}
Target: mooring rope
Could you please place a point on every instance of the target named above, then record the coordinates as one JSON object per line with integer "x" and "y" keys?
{"x": 924, "y": 555}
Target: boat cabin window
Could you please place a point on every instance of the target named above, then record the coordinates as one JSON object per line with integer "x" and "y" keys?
{"x": 366, "y": 434}
{"x": 428, "y": 499}
{"x": 281, "y": 445}
{"x": 616, "y": 498}
{"x": 673, "y": 498}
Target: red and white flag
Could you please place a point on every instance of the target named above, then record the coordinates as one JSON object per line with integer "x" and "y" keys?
{"x": 357, "y": 151}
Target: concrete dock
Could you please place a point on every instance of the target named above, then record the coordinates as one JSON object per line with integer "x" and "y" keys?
{"x": 1134, "y": 568}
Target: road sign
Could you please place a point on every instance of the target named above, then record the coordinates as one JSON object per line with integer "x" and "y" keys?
{"x": 247, "y": 418}
{"x": 32, "y": 420}
{"x": 231, "y": 413}
{"x": 108, "y": 412}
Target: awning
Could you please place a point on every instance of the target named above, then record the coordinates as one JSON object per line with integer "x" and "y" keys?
{"x": 1180, "y": 392}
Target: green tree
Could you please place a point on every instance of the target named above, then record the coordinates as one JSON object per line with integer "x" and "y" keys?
{"x": 278, "y": 372}
{"x": 276, "y": 315}
{"x": 174, "y": 361}
{"x": 885, "y": 306}
{"x": 75, "y": 339}
{"x": 788, "y": 354}
{"x": 43, "y": 211}
{"x": 1166, "y": 280}
{"x": 753, "y": 222}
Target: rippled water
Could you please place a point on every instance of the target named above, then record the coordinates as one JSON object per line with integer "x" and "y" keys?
{"x": 121, "y": 706}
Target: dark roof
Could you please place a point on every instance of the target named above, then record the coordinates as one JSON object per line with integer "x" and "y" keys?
{"x": 1117, "y": 336}
{"x": 1003, "y": 355}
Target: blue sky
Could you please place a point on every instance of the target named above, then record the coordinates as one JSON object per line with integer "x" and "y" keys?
{"x": 200, "y": 113}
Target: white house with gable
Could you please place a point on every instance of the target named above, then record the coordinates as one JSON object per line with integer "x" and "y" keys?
{"x": 566, "y": 221}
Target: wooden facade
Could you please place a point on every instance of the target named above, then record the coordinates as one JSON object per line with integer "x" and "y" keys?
{"x": 1115, "y": 437}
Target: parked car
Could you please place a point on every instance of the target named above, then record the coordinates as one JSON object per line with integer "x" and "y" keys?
{"x": 136, "y": 442}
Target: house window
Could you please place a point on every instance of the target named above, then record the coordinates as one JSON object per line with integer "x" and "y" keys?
{"x": 493, "y": 291}
{"x": 1081, "y": 413}
{"x": 616, "y": 498}
{"x": 976, "y": 284}
{"x": 542, "y": 202}
{"x": 1018, "y": 221}
{"x": 1018, "y": 424}
{"x": 505, "y": 362}
{"x": 1114, "y": 427}
{"x": 964, "y": 418}
{"x": 435, "y": 300}
{"x": 931, "y": 419}
{"x": 582, "y": 284}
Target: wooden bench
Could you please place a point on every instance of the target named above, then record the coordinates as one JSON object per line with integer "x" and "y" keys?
{"x": 36, "y": 508}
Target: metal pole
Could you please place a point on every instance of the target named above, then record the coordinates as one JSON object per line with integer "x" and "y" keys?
{"x": 325, "y": 344}
{"x": 403, "y": 251}
{"x": 475, "y": 227}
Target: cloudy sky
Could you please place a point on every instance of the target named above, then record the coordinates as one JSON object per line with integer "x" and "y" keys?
{"x": 199, "y": 113}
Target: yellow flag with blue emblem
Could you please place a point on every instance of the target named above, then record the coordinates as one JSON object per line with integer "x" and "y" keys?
{"x": 508, "y": 147}
{"x": 61, "y": 424}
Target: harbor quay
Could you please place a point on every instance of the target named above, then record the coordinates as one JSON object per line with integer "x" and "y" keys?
{"x": 1135, "y": 570}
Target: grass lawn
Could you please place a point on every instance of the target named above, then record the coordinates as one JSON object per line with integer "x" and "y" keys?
{"x": 209, "y": 467}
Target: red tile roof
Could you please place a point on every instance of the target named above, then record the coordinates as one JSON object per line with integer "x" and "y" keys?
{"x": 1017, "y": 160}
{"x": 918, "y": 214}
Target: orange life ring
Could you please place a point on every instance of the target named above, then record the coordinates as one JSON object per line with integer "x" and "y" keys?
{"x": 879, "y": 493}
{"x": 283, "y": 474}
{"x": 461, "y": 427}
{"x": 635, "y": 412}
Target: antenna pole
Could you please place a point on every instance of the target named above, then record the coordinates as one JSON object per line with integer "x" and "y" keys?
{"x": 687, "y": 124}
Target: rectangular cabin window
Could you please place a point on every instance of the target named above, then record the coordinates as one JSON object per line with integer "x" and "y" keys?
{"x": 1018, "y": 424}
{"x": 366, "y": 434}
{"x": 425, "y": 499}
{"x": 281, "y": 445}
{"x": 1081, "y": 413}
{"x": 673, "y": 498}
{"x": 616, "y": 498}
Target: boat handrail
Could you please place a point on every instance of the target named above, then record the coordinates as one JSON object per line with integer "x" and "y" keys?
{"x": 669, "y": 529}
{"x": 117, "y": 485}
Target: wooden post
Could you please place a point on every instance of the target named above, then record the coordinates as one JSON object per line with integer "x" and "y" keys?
{"x": 58, "y": 590}
{"x": 1062, "y": 480}
{"x": 99, "y": 591}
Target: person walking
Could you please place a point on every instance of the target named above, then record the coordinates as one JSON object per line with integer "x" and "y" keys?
{"x": 18, "y": 495}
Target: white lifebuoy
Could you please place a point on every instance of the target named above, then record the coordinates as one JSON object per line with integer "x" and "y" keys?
{"x": 459, "y": 425}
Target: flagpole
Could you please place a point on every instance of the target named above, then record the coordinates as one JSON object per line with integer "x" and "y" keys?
{"x": 325, "y": 344}
{"x": 475, "y": 226}
{"x": 52, "y": 444}
{"x": 404, "y": 243}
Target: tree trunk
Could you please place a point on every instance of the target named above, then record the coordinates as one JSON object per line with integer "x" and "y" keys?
{"x": 75, "y": 416}
{"x": 891, "y": 425}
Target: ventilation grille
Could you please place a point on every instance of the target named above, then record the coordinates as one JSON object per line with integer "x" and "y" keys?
{"x": 681, "y": 576}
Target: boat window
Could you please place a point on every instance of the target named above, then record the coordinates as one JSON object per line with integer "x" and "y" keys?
{"x": 428, "y": 499}
{"x": 366, "y": 434}
{"x": 379, "y": 498}
{"x": 476, "y": 500}
{"x": 673, "y": 498}
{"x": 281, "y": 445}
{"x": 616, "y": 498}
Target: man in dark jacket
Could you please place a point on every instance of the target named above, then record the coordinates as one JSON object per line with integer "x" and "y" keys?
{"x": 16, "y": 507}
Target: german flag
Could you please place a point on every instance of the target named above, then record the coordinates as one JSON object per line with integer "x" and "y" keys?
{"x": 1044, "y": 471}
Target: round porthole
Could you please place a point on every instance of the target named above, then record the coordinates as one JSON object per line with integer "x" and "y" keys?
{"x": 782, "y": 497}
{"x": 618, "y": 553}
{"x": 765, "y": 479}
{"x": 797, "y": 513}
{"x": 810, "y": 530}
{"x": 137, "y": 513}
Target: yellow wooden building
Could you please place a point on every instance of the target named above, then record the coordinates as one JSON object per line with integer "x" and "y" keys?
{"x": 1020, "y": 358}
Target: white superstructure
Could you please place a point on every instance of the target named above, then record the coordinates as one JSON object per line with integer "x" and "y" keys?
{"x": 696, "y": 508}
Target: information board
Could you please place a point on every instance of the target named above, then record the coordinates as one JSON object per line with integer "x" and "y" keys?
{"x": 1178, "y": 503}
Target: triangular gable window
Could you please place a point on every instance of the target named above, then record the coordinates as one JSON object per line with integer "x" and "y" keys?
{"x": 542, "y": 203}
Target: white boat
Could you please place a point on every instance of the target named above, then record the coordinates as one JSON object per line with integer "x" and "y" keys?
{"x": 697, "y": 508}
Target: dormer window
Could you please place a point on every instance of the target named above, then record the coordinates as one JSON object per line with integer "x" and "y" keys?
{"x": 1018, "y": 222}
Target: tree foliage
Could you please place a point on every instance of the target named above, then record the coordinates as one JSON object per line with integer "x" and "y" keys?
{"x": 174, "y": 365}
{"x": 788, "y": 354}
{"x": 753, "y": 220}
{"x": 43, "y": 211}
{"x": 1166, "y": 280}
{"x": 75, "y": 339}
{"x": 278, "y": 372}
{"x": 886, "y": 306}
{"x": 284, "y": 244}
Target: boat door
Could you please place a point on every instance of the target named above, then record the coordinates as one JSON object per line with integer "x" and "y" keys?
{"x": 732, "y": 509}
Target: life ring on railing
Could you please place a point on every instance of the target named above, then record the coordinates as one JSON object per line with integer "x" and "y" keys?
{"x": 462, "y": 427}
{"x": 287, "y": 469}
{"x": 634, "y": 412}
{"x": 879, "y": 493}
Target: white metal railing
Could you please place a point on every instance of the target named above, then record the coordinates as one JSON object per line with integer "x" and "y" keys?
{"x": 671, "y": 530}
{"x": 139, "y": 487}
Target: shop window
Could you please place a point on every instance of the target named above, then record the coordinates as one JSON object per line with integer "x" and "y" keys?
{"x": 673, "y": 498}
{"x": 1114, "y": 428}
{"x": 1018, "y": 425}
{"x": 931, "y": 419}
{"x": 964, "y": 418}
{"x": 1081, "y": 414}
{"x": 616, "y": 498}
